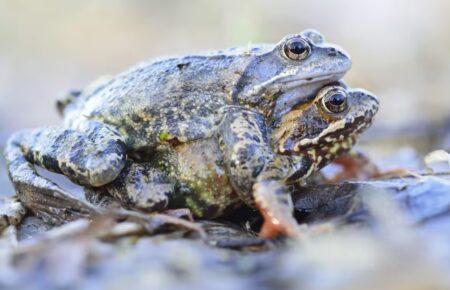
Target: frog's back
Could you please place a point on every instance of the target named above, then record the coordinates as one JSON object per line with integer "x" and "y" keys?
{"x": 161, "y": 100}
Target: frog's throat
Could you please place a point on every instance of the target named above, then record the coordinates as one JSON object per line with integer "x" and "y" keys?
{"x": 337, "y": 132}
{"x": 323, "y": 155}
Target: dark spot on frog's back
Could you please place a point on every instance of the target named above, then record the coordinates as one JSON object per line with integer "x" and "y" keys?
{"x": 257, "y": 170}
{"x": 249, "y": 136}
{"x": 135, "y": 118}
{"x": 182, "y": 65}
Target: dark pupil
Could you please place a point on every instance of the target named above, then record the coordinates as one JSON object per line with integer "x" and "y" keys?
{"x": 297, "y": 47}
{"x": 337, "y": 99}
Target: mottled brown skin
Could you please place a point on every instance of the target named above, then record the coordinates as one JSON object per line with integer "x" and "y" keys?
{"x": 203, "y": 124}
{"x": 247, "y": 154}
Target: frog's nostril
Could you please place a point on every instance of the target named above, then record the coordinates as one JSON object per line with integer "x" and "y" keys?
{"x": 332, "y": 51}
{"x": 374, "y": 100}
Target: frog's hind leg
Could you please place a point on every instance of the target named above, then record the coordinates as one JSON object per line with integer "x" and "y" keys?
{"x": 42, "y": 196}
{"x": 141, "y": 186}
{"x": 91, "y": 155}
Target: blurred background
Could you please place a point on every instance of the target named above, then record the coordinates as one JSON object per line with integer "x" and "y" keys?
{"x": 400, "y": 49}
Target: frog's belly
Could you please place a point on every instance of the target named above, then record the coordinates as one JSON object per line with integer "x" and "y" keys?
{"x": 204, "y": 186}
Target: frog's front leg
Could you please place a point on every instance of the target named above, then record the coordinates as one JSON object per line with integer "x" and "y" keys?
{"x": 92, "y": 154}
{"x": 258, "y": 174}
{"x": 272, "y": 195}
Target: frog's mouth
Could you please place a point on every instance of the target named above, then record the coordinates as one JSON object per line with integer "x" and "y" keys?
{"x": 334, "y": 141}
{"x": 296, "y": 81}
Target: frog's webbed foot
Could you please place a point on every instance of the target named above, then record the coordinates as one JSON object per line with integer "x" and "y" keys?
{"x": 142, "y": 187}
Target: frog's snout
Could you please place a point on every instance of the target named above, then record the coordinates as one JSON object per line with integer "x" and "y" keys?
{"x": 339, "y": 55}
{"x": 372, "y": 105}
{"x": 365, "y": 106}
{"x": 366, "y": 98}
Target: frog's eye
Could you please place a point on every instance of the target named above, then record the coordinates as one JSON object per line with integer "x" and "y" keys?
{"x": 335, "y": 100}
{"x": 296, "y": 48}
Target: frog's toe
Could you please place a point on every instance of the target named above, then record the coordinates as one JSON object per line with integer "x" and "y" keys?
{"x": 103, "y": 170}
{"x": 275, "y": 205}
{"x": 149, "y": 201}
{"x": 273, "y": 228}
{"x": 11, "y": 212}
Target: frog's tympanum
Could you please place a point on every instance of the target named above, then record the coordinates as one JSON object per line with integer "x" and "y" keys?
{"x": 206, "y": 132}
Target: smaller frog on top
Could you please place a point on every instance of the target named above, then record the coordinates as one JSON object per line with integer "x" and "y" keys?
{"x": 235, "y": 97}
